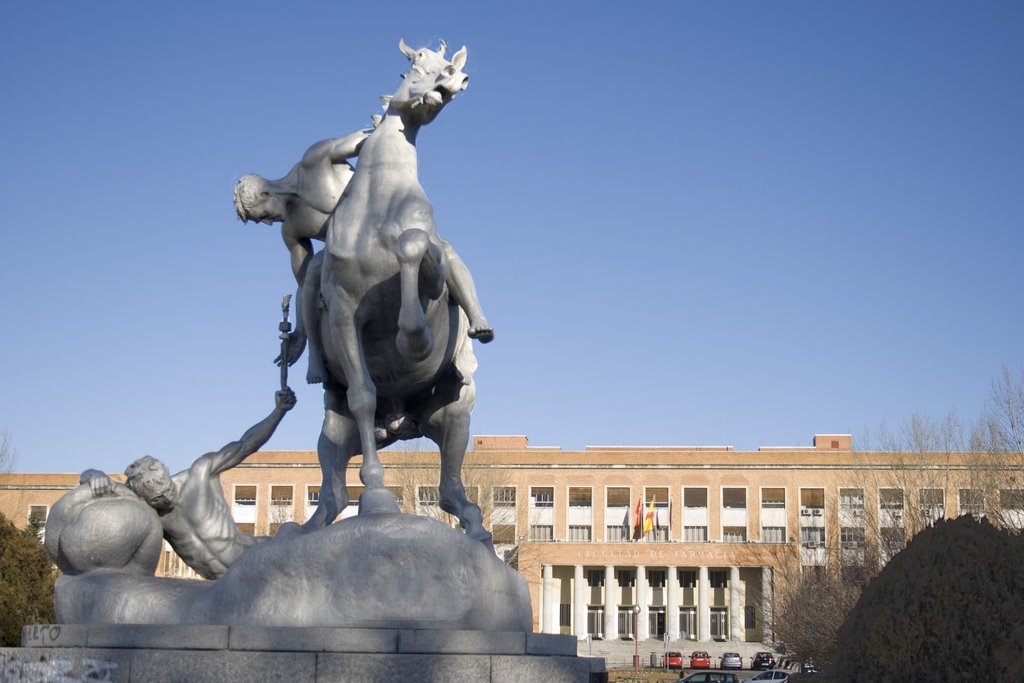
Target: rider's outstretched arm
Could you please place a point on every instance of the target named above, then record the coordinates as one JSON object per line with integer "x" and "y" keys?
{"x": 235, "y": 452}
{"x": 463, "y": 291}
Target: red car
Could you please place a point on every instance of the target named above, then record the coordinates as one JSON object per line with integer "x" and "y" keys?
{"x": 700, "y": 660}
{"x": 674, "y": 660}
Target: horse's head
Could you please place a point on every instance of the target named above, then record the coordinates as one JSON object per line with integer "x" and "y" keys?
{"x": 431, "y": 83}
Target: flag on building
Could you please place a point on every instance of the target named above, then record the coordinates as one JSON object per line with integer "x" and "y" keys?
{"x": 637, "y": 519}
{"x": 649, "y": 518}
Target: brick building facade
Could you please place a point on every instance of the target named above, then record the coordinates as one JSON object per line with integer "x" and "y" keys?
{"x": 726, "y": 527}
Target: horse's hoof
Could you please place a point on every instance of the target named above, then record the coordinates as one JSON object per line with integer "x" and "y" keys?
{"x": 378, "y": 501}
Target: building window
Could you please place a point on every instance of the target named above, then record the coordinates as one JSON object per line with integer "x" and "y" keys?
{"x": 658, "y": 495}
{"x": 579, "y": 533}
{"x": 656, "y": 578}
{"x": 890, "y": 499}
{"x": 851, "y": 499}
{"x": 660, "y": 534}
{"x": 972, "y": 502}
{"x": 564, "y": 615}
{"x": 312, "y": 496}
{"x": 543, "y": 497}
{"x": 617, "y": 497}
{"x": 695, "y": 534}
{"x": 1011, "y": 499}
{"x": 695, "y": 498}
{"x": 595, "y": 578}
{"x": 542, "y": 532}
{"x": 503, "y": 534}
{"x": 280, "y": 508}
{"x": 687, "y": 578}
{"x": 281, "y": 496}
{"x": 774, "y": 498}
{"x": 812, "y": 537}
{"x": 1011, "y": 503}
{"x": 580, "y": 498}
{"x": 734, "y": 534}
{"x": 933, "y": 505}
{"x": 37, "y": 520}
{"x": 773, "y": 534}
{"x": 851, "y": 537}
{"x": 718, "y": 578}
{"x": 891, "y": 503}
{"x": 504, "y": 496}
{"x": 749, "y": 617}
{"x": 734, "y": 498}
{"x": 618, "y": 532}
{"x": 893, "y": 540}
{"x": 245, "y": 495}
{"x": 428, "y": 496}
{"x": 813, "y": 499}
{"x": 37, "y": 515}
{"x": 626, "y": 577}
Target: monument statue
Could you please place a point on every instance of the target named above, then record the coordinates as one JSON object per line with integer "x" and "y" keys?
{"x": 395, "y": 343}
{"x": 190, "y": 508}
{"x": 390, "y": 311}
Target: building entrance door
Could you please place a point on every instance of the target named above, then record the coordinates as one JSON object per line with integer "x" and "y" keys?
{"x": 656, "y": 622}
{"x": 688, "y": 623}
{"x": 719, "y": 622}
{"x": 595, "y": 622}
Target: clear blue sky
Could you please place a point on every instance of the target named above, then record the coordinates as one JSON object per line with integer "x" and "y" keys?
{"x": 690, "y": 223}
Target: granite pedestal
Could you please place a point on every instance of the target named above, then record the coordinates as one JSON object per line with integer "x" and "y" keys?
{"x": 197, "y": 654}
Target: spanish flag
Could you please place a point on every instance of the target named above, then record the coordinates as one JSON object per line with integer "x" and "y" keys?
{"x": 649, "y": 517}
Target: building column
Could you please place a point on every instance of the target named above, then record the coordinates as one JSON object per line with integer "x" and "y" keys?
{"x": 579, "y": 603}
{"x": 703, "y": 606}
{"x": 643, "y": 627}
{"x": 611, "y": 605}
{"x": 735, "y": 618}
{"x": 672, "y": 606}
{"x": 550, "y": 604}
{"x": 767, "y": 599}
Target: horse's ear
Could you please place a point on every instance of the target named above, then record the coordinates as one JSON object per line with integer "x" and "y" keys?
{"x": 406, "y": 50}
{"x": 459, "y": 58}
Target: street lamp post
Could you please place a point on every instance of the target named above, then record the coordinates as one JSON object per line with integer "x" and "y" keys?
{"x": 636, "y": 641}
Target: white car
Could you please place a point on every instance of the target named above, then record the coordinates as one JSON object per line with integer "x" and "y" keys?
{"x": 772, "y": 675}
{"x": 731, "y": 660}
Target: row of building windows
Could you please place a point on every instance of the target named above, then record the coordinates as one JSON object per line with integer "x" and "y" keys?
{"x": 687, "y": 578}
{"x": 733, "y": 498}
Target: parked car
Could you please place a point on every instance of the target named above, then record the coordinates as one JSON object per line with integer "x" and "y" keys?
{"x": 674, "y": 660}
{"x": 770, "y": 676}
{"x": 711, "y": 677}
{"x": 762, "y": 660}
{"x": 731, "y": 660}
{"x": 700, "y": 660}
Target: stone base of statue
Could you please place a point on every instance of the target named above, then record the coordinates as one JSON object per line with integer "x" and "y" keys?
{"x": 224, "y": 654}
{"x": 370, "y": 571}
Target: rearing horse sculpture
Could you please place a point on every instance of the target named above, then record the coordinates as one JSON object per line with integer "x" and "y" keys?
{"x": 395, "y": 344}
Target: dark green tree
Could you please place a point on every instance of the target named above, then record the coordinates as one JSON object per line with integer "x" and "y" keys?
{"x": 26, "y": 582}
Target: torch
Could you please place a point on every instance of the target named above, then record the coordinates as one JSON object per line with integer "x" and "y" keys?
{"x": 285, "y": 327}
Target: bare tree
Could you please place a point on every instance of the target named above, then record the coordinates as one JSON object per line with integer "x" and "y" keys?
{"x": 8, "y": 456}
